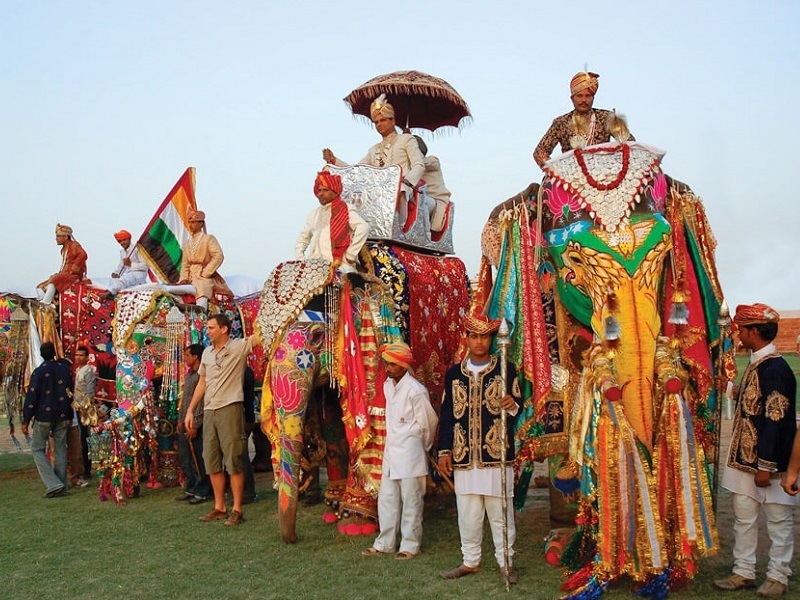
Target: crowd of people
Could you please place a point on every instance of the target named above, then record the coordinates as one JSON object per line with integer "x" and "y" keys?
{"x": 761, "y": 470}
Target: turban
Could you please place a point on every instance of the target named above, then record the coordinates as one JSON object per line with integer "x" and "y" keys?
{"x": 380, "y": 106}
{"x": 329, "y": 180}
{"x": 397, "y": 353}
{"x": 584, "y": 81}
{"x": 196, "y": 215}
{"x": 755, "y": 314}
{"x": 480, "y": 324}
{"x": 122, "y": 234}
{"x": 63, "y": 229}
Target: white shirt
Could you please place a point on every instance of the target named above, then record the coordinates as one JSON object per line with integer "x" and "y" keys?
{"x": 486, "y": 481}
{"x": 740, "y": 482}
{"x": 316, "y": 235}
{"x": 137, "y": 262}
{"x": 410, "y": 428}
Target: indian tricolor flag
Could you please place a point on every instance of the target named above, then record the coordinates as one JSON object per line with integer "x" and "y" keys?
{"x": 163, "y": 238}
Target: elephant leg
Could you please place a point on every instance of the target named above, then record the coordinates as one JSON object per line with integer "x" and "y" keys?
{"x": 287, "y": 476}
{"x": 337, "y": 453}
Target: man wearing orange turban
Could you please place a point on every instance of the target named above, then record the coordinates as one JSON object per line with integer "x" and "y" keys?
{"x": 132, "y": 269}
{"x": 764, "y": 428}
{"x": 583, "y": 126}
{"x": 334, "y": 230}
{"x": 73, "y": 265}
{"x": 410, "y": 428}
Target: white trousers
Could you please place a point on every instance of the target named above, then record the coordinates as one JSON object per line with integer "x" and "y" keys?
{"x": 127, "y": 280}
{"x": 400, "y": 503}
{"x": 780, "y": 528}
{"x": 471, "y": 508}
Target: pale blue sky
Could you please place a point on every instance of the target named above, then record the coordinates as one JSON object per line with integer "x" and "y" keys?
{"x": 104, "y": 105}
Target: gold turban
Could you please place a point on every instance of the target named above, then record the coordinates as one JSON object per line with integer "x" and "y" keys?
{"x": 480, "y": 324}
{"x": 63, "y": 229}
{"x": 584, "y": 81}
{"x": 380, "y": 106}
{"x": 755, "y": 314}
{"x": 196, "y": 215}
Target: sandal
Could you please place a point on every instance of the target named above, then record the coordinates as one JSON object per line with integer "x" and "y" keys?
{"x": 372, "y": 551}
{"x": 403, "y": 555}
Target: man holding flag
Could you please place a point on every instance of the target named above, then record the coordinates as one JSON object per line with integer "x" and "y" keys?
{"x": 131, "y": 270}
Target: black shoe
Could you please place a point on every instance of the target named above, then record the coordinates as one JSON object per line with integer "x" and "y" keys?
{"x": 57, "y": 493}
{"x": 249, "y": 499}
{"x": 198, "y": 499}
{"x": 184, "y": 497}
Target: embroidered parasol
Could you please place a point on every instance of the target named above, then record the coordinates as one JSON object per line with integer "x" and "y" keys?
{"x": 420, "y": 100}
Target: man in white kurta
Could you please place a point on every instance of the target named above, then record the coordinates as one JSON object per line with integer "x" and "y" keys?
{"x": 410, "y": 428}
{"x": 317, "y": 240}
{"x": 132, "y": 269}
{"x": 470, "y": 447}
{"x": 394, "y": 148}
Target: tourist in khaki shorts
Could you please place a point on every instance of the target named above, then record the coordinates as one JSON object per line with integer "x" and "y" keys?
{"x": 220, "y": 388}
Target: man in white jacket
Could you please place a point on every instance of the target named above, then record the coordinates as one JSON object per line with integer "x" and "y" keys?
{"x": 410, "y": 428}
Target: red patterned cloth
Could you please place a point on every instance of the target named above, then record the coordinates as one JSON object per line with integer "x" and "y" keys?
{"x": 340, "y": 229}
{"x": 248, "y": 309}
{"x": 85, "y": 316}
{"x": 438, "y": 298}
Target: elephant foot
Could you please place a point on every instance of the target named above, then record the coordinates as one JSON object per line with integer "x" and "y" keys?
{"x": 355, "y": 526}
{"x": 289, "y": 539}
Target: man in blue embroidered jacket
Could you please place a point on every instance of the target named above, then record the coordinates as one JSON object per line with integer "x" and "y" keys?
{"x": 761, "y": 444}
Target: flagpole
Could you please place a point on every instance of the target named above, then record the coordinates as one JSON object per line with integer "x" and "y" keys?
{"x": 503, "y": 343}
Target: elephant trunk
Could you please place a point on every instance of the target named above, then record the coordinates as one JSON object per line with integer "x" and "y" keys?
{"x": 634, "y": 360}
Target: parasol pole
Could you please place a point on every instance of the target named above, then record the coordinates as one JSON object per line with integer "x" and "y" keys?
{"x": 724, "y": 323}
{"x": 503, "y": 343}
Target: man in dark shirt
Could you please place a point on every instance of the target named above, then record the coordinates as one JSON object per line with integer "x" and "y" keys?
{"x": 190, "y": 443}
{"x": 48, "y": 405}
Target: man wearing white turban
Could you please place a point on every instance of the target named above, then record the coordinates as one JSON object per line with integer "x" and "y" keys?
{"x": 393, "y": 149}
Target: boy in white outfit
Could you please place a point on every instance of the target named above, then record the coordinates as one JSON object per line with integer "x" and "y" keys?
{"x": 410, "y": 428}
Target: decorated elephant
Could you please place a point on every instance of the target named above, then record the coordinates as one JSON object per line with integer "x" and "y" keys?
{"x": 322, "y": 331}
{"x": 630, "y": 323}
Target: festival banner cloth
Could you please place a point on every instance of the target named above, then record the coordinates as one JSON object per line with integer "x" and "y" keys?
{"x": 164, "y": 236}
{"x": 85, "y": 317}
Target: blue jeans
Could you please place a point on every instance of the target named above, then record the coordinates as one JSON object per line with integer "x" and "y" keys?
{"x": 197, "y": 484}
{"x": 53, "y": 476}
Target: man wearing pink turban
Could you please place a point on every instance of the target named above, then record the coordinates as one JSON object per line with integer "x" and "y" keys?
{"x": 583, "y": 126}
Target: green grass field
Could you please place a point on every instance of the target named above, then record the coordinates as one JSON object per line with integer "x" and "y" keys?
{"x": 153, "y": 547}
